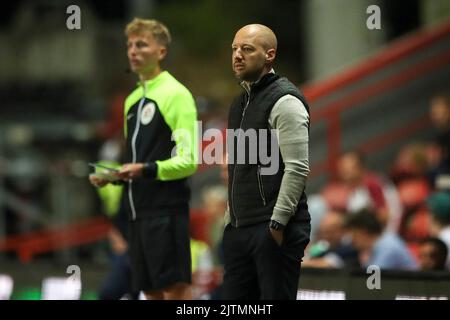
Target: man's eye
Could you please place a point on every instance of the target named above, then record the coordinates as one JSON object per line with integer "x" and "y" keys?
{"x": 247, "y": 49}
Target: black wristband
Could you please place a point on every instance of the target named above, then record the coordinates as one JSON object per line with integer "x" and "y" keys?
{"x": 150, "y": 170}
{"x": 276, "y": 225}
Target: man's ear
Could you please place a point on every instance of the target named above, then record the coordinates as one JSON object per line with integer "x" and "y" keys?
{"x": 270, "y": 55}
{"x": 162, "y": 53}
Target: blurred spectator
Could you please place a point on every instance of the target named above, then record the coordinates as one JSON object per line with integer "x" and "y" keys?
{"x": 318, "y": 208}
{"x": 214, "y": 205}
{"x": 375, "y": 247}
{"x": 440, "y": 117}
{"x": 410, "y": 163}
{"x": 432, "y": 254}
{"x": 436, "y": 167}
{"x": 439, "y": 206}
{"x": 333, "y": 249}
{"x": 202, "y": 268}
{"x": 414, "y": 224}
{"x": 357, "y": 188}
{"x": 415, "y": 171}
{"x": 410, "y": 173}
{"x": 439, "y": 148}
{"x": 117, "y": 283}
{"x": 336, "y": 195}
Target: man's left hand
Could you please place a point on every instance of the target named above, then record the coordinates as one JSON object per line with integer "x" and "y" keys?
{"x": 277, "y": 235}
{"x": 131, "y": 171}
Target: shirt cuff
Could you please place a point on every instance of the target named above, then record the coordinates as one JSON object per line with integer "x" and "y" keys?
{"x": 281, "y": 216}
{"x": 150, "y": 170}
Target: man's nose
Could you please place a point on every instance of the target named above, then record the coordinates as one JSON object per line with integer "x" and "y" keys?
{"x": 238, "y": 55}
{"x": 132, "y": 50}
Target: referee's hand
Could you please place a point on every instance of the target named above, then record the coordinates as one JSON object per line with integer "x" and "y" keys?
{"x": 97, "y": 182}
{"x": 131, "y": 171}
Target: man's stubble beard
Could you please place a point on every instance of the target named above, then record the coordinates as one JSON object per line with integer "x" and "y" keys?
{"x": 252, "y": 76}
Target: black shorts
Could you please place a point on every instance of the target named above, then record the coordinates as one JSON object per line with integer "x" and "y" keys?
{"x": 160, "y": 251}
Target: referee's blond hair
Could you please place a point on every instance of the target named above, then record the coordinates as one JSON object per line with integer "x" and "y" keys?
{"x": 157, "y": 29}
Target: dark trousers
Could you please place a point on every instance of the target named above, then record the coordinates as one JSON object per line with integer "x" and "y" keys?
{"x": 256, "y": 267}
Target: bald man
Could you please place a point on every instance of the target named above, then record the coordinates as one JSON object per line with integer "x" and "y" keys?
{"x": 267, "y": 224}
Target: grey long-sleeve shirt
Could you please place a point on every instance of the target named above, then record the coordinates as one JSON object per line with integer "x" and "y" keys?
{"x": 290, "y": 118}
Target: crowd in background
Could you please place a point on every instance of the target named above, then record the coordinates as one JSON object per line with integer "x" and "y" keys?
{"x": 397, "y": 219}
